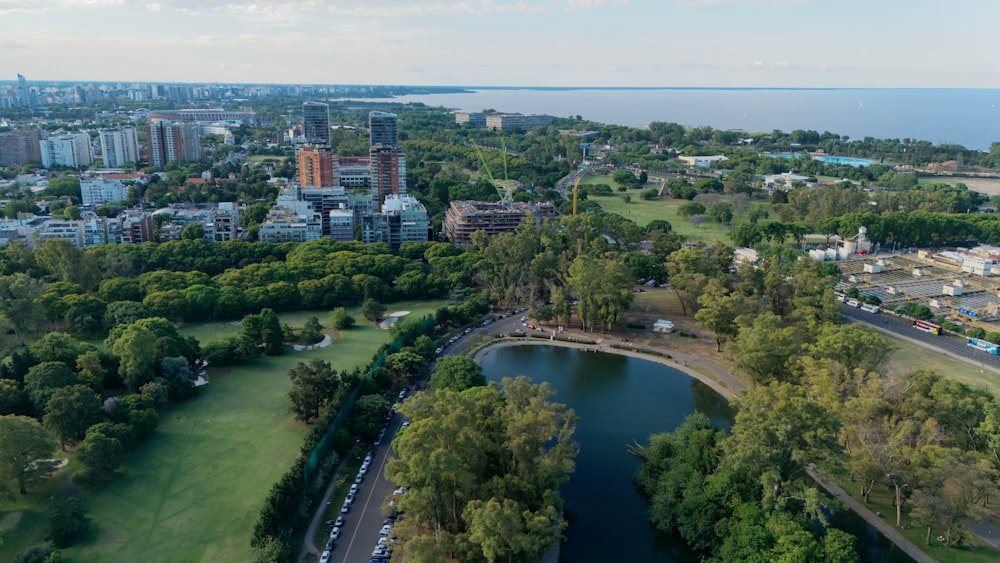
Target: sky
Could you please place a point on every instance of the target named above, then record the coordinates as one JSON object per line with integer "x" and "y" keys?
{"x": 661, "y": 43}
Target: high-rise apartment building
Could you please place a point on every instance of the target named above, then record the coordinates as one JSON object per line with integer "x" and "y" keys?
{"x": 66, "y": 150}
{"x": 317, "y": 167}
{"x": 388, "y": 162}
{"x": 169, "y": 141}
{"x": 383, "y": 128}
{"x": 316, "y": 123}
{"x": 119, "y": 146}
{"x": 23, "y": 94}
{"x": 20, "y": 147}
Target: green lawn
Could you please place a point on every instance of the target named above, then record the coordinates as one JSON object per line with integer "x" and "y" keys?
{"x": 210, "y": 331}
{"x": 192, "y": 491}
{"x": 642, "y": 212}
{"x": 266, "y": 157}
{"x": 908, "y": 357}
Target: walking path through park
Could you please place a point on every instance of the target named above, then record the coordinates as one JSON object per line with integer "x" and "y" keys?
{"x": 308, "y": 548}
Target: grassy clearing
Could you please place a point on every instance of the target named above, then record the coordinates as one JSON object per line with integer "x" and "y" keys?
{"x": 973, "y": 550}
{"x": 642, "y": 212}
{"x": 191, "y": 493}
{"x": 211, "y": 331}
{"x": 265, "y": 158}
{"x": 909, "y": 357}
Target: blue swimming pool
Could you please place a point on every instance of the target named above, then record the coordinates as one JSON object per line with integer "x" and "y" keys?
{"x": 845, "y": 160}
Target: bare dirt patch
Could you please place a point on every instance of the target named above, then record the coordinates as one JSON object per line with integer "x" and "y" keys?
{"x": 988, "y": 186}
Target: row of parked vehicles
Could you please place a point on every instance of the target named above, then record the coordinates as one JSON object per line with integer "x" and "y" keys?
{"x": 335, "y": 525}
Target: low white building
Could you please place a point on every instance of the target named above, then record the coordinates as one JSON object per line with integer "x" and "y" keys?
{"x": 663, "y": 326}
{"x": 702, "y": 161}
{"x": 95, "y": 190}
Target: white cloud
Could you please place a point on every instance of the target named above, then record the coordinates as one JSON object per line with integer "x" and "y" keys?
{"x": 154, "y": 7}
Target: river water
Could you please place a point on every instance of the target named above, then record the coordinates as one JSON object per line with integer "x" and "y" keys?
{"x": 969, "y": 117}
{"x": 621, "y": 401}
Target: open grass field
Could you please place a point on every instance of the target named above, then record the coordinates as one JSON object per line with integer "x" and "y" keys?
{"x": 211, "y": 331}
{"x": 192, "y": 491}
{"x": 642, "y": 212}
{"x": 908, "y": 357}
{"x": 265, "y": 158}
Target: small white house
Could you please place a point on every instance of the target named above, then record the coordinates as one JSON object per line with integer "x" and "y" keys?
{"x": 663, "y": 326}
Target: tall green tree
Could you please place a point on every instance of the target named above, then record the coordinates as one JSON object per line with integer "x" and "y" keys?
{"x": 68, "y": 521}
{"x": 136, "y": 349}
{"x": 372, "y": 310}
{"x": 18, "y": 293}
{"x": 71, "y": 411}
{"x": 764, "y": 349}
{"x": 22, "y": 441}
{"x": 44, "y": 379}
{"x": 457, "y": 373}
{"x": 313, "y": 386}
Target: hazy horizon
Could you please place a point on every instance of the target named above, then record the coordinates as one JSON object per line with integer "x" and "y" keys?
{"x": 527, "y": 43}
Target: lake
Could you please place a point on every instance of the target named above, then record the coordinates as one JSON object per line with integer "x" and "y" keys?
{"x": 620, "y": 401}
{"x": 969, "y": 117}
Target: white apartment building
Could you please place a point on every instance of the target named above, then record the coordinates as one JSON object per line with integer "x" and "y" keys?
{"x": 66, "y": 150}
{"x": 119, "y": 146}
{"x": 98, "y": 189}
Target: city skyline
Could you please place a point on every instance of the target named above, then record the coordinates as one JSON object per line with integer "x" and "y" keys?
{"x": 625, "y": 43}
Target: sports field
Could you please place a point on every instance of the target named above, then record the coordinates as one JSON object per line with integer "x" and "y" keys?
{"x": 192, "y": 491}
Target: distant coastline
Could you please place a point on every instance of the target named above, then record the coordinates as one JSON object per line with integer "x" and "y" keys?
{"x": 959, "y": 116}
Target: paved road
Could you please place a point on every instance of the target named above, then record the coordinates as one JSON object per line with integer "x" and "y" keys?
{"x": 951, "y": 346}
{"x": 362, "y": 524}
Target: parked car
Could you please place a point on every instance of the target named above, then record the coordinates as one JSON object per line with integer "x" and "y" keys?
{"x": 325, "y": 558}
{"x": 345, "y": 509}
{"x": 349, "y": 499}
{"x": 340, "y": 521}
{"x": 335, "y": 534}
{"x": 354, "y": 488}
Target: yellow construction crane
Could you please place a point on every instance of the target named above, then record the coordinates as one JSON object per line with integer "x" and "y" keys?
{"x": 576, "y": 188}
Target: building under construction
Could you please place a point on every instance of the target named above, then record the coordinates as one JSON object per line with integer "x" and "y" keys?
{"x": 466, "y": 217}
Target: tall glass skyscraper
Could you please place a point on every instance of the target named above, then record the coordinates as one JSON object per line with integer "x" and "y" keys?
{"x": 316, "y": 123}
{"x": 384, "y": 128}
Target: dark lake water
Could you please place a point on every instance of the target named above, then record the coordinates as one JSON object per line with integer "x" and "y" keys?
{"x": 621, "y": 401}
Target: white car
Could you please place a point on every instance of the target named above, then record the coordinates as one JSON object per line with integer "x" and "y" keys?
{"x": 325, "y": 558}
{"x": 406, "y": 424}
{"x": 354, "y": 488}
{"x": 368, "y": 458}
{"x": 359, "y": 478}
{"x": 349, "y": 499}
{"x": 335, "y": 534}
{"x": 339, "y": 522}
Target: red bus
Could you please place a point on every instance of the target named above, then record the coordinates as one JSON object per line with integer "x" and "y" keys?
{"x": 927, "y": 327}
